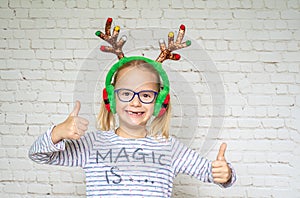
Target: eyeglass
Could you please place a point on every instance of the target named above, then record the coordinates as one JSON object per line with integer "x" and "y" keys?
{"x": 127, "y": 95}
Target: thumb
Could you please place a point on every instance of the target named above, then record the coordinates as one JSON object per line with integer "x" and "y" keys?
{"x": 76, "y": 109}
{"x": 221, "y": 154}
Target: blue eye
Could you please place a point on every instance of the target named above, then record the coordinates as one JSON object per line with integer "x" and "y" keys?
{"x": 125, "y": 93}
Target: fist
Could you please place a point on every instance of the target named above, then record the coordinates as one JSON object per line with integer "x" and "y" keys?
{"x": 220, "y": 170}
{"x": 72, "y": 128}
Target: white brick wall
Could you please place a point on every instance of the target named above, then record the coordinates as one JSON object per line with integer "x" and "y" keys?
{"x": 253, "y": 43}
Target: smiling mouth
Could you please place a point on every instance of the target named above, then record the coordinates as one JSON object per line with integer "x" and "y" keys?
{"x": 139, "y": 113}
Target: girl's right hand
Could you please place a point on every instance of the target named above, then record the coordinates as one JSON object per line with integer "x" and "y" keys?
{"x": 72, "y": 128}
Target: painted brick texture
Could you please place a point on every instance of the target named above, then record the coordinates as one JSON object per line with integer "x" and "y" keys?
{"x": 254, "y": 45}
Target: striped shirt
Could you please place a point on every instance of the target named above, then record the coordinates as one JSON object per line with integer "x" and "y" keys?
{"x": 124, "y": 167}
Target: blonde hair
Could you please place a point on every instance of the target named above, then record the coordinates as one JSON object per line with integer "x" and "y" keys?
{"x": 158, "y": 126}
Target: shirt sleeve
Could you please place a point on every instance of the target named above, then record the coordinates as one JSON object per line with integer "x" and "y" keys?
{"x": 187, "y": 161}
{"x": 64, "y": 153}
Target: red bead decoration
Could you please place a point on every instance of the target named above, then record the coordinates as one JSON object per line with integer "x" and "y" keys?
{"x": 102, "y": 48}
{"x": 109, "y": 20}
{"x": 176, "y": 56}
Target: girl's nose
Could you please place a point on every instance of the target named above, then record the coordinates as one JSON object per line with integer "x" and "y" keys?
{"x": 135, "y": 101}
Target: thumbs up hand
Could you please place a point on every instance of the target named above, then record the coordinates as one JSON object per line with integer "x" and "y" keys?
{"x": 220, "y": 170}
{"x": 72, "y": 128}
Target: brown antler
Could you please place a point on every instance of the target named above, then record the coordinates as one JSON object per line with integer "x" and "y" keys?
{"x": 166, "y": 53}
{"x": 116, "y": 46}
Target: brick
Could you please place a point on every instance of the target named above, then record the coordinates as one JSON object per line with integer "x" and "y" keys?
{"x": 220, "y": 14}
{"x": 259, "y": 100}
{"x": 152, "y": 13}
{"x": 33, "y": 74}
{"x": 273, "y": 123}
{"x": 25, "y": 44}
{"x": 234, "y": 35}
{"x": 270, "y": 57}
{"x": 294, "y": 89}
{"x": 13, "y": 44}
{"x": 81, "y": 53}
{"x": 281, "y": 89}
{"x": 93, "y": 4}
{"x": 62, "y": 54}
{"x": 48, "y": 96}
{"x": 267, "y": 15}
{"x": 247, "y": 57}
{"x": 75, "y": 44}
{"x": 281, "y": 35}
{"x": 50, "y": 34}
{"x": 42, "y": 44}
{"x": 249, "y": 123}
{"x": 257, "y": 35}
{"x": 7, "y": 96}
{"x": 282, "y": 146}
{"x": 290, "y": 14}
{"x": 10, "y": 74}
{"x": 282, "y": 78}
{"x": 172, "y": 14}
{"x": 23, "y": 54}
{"x": 22, "y": 13}
{"x": 81, "y": 190}
{"x": 21, "y": 164}
{"x": 284, "y": 100}
{"x": 25, "y": 4}
{"x": 37, "y": 119}
{"x": 70, "y": 33}
{"x": 15, "y": 118}
{"x": 39, "y": 13}
{"x": 25, "y": 96}
{"x": 67, "y": 97}
{"x": 291, "y": 57}
{"x": 27, "y": 24}
{"x": 42, "y": 54}
{"x": 70, "y": 75}
{"x": 59, "y": 44}
{"x": 13, "y": 24}
{"x": 39, "y": 188}
{"x": 20, "y": 188}
{"x": 261, "y": 169}
{"x": 4, "y": 4}
{"x": 6, "y": 33}
{"x": 224, "y": 56}
{"x": 54, "y": 75}
{"x": 131, "y": 14}
{"x": 231, "y": 77}
{"x": 6, "y": 13}
{"x": 63, "y": 189}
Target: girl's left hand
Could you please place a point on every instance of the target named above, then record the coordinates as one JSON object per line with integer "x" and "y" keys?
{"x": 220, "y": 170}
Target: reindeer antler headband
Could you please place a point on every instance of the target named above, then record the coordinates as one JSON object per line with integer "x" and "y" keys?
{"x": 116, "y": 48}
{"x": 166, "y": 52}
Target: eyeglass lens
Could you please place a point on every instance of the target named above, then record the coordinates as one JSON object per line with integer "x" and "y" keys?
{"x": 145, "y": 96}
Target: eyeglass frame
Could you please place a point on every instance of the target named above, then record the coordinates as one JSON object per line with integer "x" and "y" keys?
{"x": 136, "y": 93}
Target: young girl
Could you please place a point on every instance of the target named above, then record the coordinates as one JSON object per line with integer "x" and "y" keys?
{"x": 134, "y": 159}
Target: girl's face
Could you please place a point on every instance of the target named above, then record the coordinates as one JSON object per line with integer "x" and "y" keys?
{"x": 135, "y": 114}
